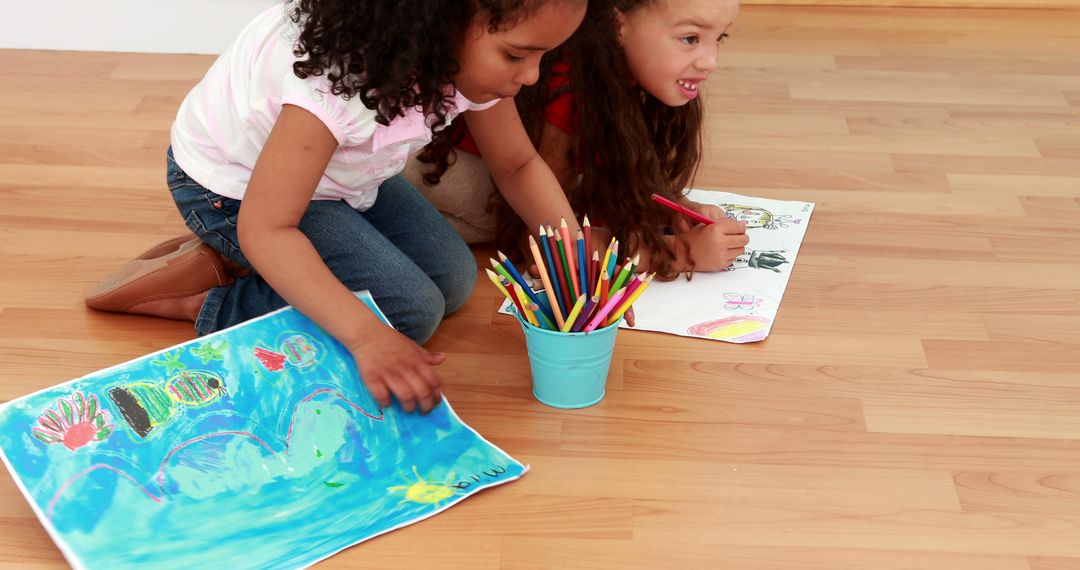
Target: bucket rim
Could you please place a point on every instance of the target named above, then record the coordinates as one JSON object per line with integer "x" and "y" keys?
{"x": 530, "y": 326}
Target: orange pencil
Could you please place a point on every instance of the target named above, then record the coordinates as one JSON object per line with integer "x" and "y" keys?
{"x": 604, "y": 264}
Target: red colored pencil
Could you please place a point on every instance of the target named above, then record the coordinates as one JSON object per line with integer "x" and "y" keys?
{"x": 681, "y": 209}
{"x": 571, "y": 251}
{"x": 586, "y": 228}
{"x": 560, "y": 270}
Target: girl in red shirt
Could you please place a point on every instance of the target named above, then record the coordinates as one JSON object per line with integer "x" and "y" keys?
{"x": 617, "y": 115}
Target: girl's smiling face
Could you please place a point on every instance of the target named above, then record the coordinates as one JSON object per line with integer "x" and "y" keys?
{"x": 671, "y": 45}
{"x": 496, "y": 65}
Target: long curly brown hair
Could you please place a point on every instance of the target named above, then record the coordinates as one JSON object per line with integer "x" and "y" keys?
{"x": 394, "y": 54}
{"x": 627, "y": 146}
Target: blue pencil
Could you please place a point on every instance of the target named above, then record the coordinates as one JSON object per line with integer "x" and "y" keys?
{"x": 551, "y": 270}
{"x": 583, "y": 264}
{"x": 521, "y": 281}
{"x": 611, "y": 262}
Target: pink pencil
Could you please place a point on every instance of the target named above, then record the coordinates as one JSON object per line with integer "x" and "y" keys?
{"x": 603, "y": 312}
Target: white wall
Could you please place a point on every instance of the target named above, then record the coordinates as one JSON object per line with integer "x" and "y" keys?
{"x": 163, "y": 26}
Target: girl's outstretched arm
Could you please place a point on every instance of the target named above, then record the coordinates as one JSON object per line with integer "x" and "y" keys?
{"x": 520, "y": 174}
{"x": 284, "y": 179}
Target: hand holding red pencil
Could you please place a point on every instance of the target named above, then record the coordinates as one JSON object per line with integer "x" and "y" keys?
{"x": 717, "y": 239}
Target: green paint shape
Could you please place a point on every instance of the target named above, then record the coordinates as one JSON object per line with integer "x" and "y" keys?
{"x": 333, "y": 485}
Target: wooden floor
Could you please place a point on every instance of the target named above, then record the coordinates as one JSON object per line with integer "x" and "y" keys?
{"x": 916, "y": 406}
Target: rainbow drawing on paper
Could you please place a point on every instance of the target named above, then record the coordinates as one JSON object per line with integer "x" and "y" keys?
{"x": 190, "y": 458}
{"x": 739, "y": 304}
{"x": 740, "y": 328}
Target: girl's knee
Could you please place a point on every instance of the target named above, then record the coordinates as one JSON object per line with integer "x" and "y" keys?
{"x": 460, "y": 279}
{"x": 423, "y": 309}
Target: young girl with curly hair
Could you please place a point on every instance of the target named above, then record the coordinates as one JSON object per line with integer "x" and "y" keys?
{"x": 618, "y": 117}
{"x": 285, "y": 160}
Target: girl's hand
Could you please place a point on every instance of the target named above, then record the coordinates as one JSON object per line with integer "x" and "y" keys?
{"x": 714, "y": 213}
{"x": 392, "y": 364}
{"x": 715, "y": 246}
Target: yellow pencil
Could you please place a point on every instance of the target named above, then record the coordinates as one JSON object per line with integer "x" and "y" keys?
{"x": 625, "y": 304}
{"x": 604, "y": 265}
{"x": 573, "y": 314}
{"x": 529, "y": 315}
{"x": 495, "y": 279}
{"x": 548, "y": 290}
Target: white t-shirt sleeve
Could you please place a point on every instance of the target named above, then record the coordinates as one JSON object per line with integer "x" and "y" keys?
{"x": 313, "y": 95}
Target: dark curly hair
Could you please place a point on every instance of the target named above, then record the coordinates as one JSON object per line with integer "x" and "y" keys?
{"x": 394, "y": 54}
{"x": 628, "y": 144}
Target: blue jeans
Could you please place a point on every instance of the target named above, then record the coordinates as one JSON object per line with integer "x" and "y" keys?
{"x": 401, "y": 249}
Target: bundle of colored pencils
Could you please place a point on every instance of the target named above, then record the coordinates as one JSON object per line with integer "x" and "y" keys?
{"x": 581, "y": 294}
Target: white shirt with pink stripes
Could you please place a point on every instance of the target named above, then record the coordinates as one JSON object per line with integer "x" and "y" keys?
{"x": 225, "y": 120}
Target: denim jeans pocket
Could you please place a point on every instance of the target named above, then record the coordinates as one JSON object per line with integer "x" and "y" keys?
{"x": 218, "y": 234}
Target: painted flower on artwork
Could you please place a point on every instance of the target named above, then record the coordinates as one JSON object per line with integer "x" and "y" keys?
{"x": 76, "y": 421}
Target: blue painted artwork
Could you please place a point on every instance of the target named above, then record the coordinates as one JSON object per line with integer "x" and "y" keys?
{"x": 254, "y": 447}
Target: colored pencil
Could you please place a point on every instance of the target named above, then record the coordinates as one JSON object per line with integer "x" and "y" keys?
{"x": 541, "y": 315}
{"x": 571, "y": 267}
{"x": 526, "y": 289}
{"x": 508, "y": 286}
{"x": 542, "y": 269}
{"x": 495, "y": 279}
{"x": 594, "y": 270}
{"x": 625, "y": 273}
{"x": 563, "y": 254}
{"x": 551, "y": 268}
{"x": 501, "y": 270}
{"x": 560, "y": 268}
{"x": 614, "y": 258}
{"x": 573, "y": 314}
{"x": 604, "y": 264}
{"x": 598, "y": 317}
{"x": 583, "y": 264}
{"x": 681, "y": 209}
{"x": 630, "y": 299}
{"x": 583, "y": 316}
{"x": 529, "y": 316}
{"x": 605, "y": 287}
{"x": 586, "y": 228}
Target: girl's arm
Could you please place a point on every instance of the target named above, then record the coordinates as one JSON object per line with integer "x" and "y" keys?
{"x": 520, "y": 174}
{"x": 712, "y": 248}
{"x": 284, "y": 179}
